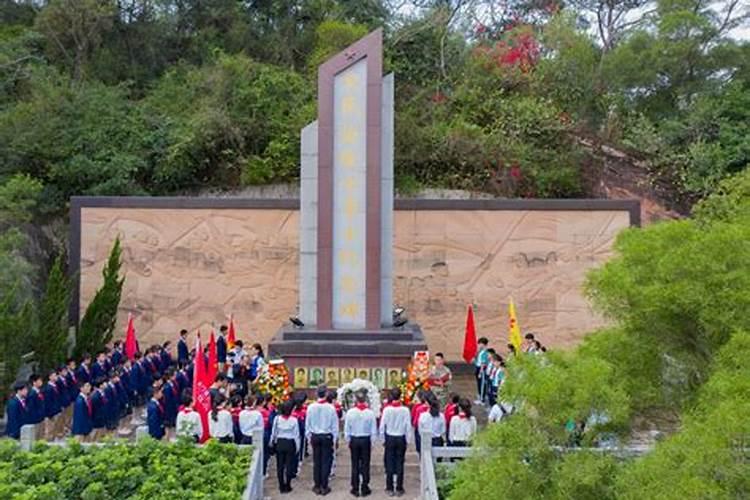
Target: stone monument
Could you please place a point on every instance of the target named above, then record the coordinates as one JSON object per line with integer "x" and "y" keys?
{"x": 346, "y": 310}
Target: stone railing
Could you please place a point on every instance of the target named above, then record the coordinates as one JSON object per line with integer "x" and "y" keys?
{"x": 254, "y": 482}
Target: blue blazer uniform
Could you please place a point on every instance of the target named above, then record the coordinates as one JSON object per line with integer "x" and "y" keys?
{"x": 112, "y": 407}
{"x": 82, "y": 423}
{"x": 17, "y": 416}
{"x": 83, "y": 374}
{"x": 72, "y": 386}
{"x": 221, "y": 350}
{"x": 35, "y": 406}
{"x": 117, "y": 357}
{"x": 98, "y": 410}
{"x": 99, "y": 371}
{"x": 183, "y": 353}
{"x": 51, "y": 400}
{"x": 155, "y": 419}
{"x": 166, "y": 360}
{"x": 171, "y": 402}
{"x": 63, "y": 392}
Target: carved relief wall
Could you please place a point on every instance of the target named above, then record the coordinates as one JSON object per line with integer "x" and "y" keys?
{"x": 189, "y": 268}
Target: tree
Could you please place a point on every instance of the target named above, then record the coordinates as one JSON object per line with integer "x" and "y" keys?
{"x": 16, "y": 317}
{"x": 98, "y": 322}
{"x": 50, "y": 340}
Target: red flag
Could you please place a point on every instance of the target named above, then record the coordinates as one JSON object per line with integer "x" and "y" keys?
{"x": 212, "y": 368}
{"x": 131, "y": 345}
{"x": 230, "y": 338}
{"x": 470, "y": 337}
{"x": 201, "y": 394}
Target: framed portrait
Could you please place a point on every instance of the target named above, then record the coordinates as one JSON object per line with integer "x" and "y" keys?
{"x": 316, "y": 377}
{"x": 332, "y": 377}
{"x": 347, "y": 375}
{"x": 300, "y": 378}
{"x": 394, "y": 377}
{"x": 378, "y": 378}
{"x": 363, "y": 373}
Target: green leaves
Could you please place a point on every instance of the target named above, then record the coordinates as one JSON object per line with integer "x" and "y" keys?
{"x": 147, "y": 470}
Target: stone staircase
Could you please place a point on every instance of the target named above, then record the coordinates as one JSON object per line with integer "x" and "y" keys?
{"x": 340, "y": 483}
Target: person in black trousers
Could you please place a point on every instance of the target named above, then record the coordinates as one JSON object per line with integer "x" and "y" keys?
{"x": 286, "y": 439}
{"x": 321, "y": 427}
{"x": 360, "y": 429}
{"x": 395, "y": 430}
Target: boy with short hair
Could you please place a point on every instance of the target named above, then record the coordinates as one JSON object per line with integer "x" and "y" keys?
{"x": 82, "y": 413}
{"x": 16, "y": 411}
{"x": 155, "y": 413}
{"x": 480, "y": 363}
{"x": 52, "y": 407}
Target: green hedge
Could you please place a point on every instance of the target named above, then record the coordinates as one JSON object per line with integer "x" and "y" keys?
{"x": 149, "y": 470}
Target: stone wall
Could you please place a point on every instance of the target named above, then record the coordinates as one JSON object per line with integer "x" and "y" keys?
{"x": 191, "y": 267}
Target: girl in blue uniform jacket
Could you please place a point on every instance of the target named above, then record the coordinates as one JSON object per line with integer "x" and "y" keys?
{"x": 83, "y": 412}
{"x": 16, "y": 411}
{"x": 155, "y": 414}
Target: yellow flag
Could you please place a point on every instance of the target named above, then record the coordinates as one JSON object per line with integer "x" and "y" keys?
{"x": 515, "y": 330}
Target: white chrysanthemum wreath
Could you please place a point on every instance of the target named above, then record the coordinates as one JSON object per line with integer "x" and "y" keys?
{"x": 345, "y": 394}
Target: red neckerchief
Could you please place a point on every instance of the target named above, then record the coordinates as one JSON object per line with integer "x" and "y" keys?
{"x": 174, "y": 389}
{"x": 322, "y": 401}
{"x": 73, "y": 376}
{"x": 395, "y": 404}
{"x": 285, "y": 417}
{"x": 186, "y": 410}
{"x": 22, "y": 401}
{"x": 361, "y": 406}
{"x": 88, "y": 404}
{"x": 54, "y": 387}
{"x": 462, "y": 416}
{"x": 38, "y": 393}
{"x": 104, "y": 397}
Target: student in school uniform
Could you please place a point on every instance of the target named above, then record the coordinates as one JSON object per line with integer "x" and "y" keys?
{"x": 236, "y": 404}
{"x": 155, "y": 413}
{"x": 166, "y": 356}
{"x": 99, "y": 369}
{"x": 73, "y": 381}
{"x": 140, "y": 378}
{"x": 99, "y": 409}
{"x": 16, "y": 411}
{"x": 488, "y": 370}
{"x": 300, "y": 413}
{"x": 188, "y": 423}
{"x": 52, "y": 406}
{"x": 183, "y": 352}
{"x": 285, "y": 439}
{"x": 112, "y": 406}
{"x": 251, "y": 420}
{"x": 171, "y": 398}
{"x": 433, "y": 420}
{"x": 220, "y": 425}
{"x": 257, "y": 361}
{"x": 451, "y": 409}
{"x": 480, "y": 362}
{"x": 84, "y": 370}
{"x": 66, "y": 402}
{"x": 321, "y": 429}
{"x": 117, "y": 355}
{"x": 395, "y": 432}
{"x": 221, "y": 348}
{"x": 463, "y": 426}
{"x": 360, "y": 430}
{"x": 35, "y": 403}
{"x": 497, "y": 377}
{"x": 82, "y": 413}
{"x": 264, "y": 406}
{"x": 499, "y": 411}
{"x": 420, "y": 406}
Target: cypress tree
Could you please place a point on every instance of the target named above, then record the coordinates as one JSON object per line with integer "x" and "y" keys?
{"x": 96, "y": 327}
{"x": 51, "y": 337}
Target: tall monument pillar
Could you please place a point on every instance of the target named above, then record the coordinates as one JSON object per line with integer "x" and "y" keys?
{"x": 346, "y": 233}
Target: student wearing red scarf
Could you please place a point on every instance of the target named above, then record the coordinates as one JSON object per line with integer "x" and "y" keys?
{"x": 285, "y": 438}
{"x": 360, "y": 430}
{"x": 420, "y": 406}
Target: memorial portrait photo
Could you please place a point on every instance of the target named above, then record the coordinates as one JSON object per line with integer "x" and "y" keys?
{"x": 394, "y": 377}
{"x": 332, "y": 377}
{"x": 363, "y": 373}
{"x": 378, "y": 377}
{"x": 316, "y": 377}
{"x": 300, "y": 378}
{"x": 347, "y": 375}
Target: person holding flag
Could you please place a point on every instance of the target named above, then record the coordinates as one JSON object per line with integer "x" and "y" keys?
{"x": 201, "y": 397}
{"x": 515, "y": 329}
{"x": 475, "y": 352}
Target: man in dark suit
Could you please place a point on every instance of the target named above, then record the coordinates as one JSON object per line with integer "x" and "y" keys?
{"x": 117, "y": 354}
{"x": 99, "y": 369}
{"x": 83, "y": 413}
{"x": 84, "y": 370}
{"x": 155, "y": 414}
{"x": 221, "y": 348}
{"x": 35, "y": 401}
{"x": 16, "y": 411}
{"x": 99, "y": 408}
{"x": 183, "y": 352}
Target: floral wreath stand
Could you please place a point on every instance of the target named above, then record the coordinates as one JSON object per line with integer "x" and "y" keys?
{"x": 345, "y": 394}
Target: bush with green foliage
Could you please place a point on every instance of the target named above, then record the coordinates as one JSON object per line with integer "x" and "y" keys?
{"x": 98, "y": 322}
{"x": 147, "y": 470}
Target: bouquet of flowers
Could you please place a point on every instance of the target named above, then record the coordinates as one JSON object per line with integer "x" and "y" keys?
{"x": 274, "y": 381}
{"x": 416, "y": 379}
{"x": 345, "y": 394}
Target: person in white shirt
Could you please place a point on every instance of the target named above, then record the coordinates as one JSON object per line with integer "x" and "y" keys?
{"x": 321, "y": 429}
{"x": 395, "y": 429}
{"x": 220, "y": 425}
{"x": 285, "y": 439}
{"x": 360, "y": 430}
{"x": 433, "y": 420}
{"x": 499, "y": 411}
{"x": 188, "y": 423}
{"x": 250, "y": 420}
{"x": 463, "y": 426}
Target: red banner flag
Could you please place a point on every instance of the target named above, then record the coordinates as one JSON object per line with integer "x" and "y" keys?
{"x": 201, "y": 394}
{"x": 131, "y": 345}
{"x": 230, "y": 337}
{"x": 213, "y": 366}
{"x": 470, "y": 337}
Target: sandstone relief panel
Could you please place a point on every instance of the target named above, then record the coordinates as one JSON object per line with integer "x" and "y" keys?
{"x": 189, "y": 268}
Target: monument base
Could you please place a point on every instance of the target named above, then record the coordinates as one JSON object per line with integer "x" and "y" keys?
{"x": 355, "y": 350}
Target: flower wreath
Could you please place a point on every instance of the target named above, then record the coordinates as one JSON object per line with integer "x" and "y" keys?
{"x": 345, "y": 394}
